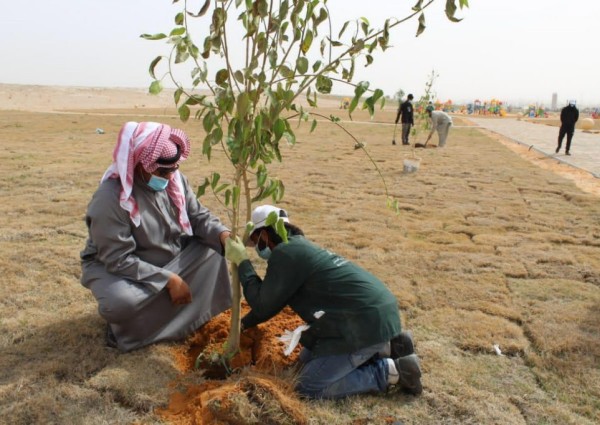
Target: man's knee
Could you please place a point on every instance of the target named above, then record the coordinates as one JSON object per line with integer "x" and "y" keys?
{"x": 310, "y": 389}
{"x": 121, "y": 306}
{"x": 116, "y": 310}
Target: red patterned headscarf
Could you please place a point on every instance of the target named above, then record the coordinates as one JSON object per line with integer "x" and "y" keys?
{"x": 152, "y": 145}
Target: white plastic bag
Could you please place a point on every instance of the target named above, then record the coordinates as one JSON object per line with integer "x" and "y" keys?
{"x": 292, "y": 338}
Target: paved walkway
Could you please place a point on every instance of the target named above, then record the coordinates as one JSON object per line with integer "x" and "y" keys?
{"x": 585, "y": 147}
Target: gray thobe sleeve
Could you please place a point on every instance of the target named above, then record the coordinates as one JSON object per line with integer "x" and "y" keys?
{"x": 110, "y": 229}
{"x": 206, "y": 226}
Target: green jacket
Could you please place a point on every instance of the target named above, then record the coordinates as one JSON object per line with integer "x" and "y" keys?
{"x": 359, "y": 309}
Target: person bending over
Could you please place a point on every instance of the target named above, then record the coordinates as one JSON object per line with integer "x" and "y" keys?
{"x": 354, "y": 343}
{"x": 440, "y": 122}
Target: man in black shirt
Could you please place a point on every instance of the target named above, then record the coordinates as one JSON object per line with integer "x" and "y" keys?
{"x": 568, "y": 117}
{"x": 406, "y": 112}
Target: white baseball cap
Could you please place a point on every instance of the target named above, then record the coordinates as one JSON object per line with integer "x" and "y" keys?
{"x": 261, "y": 213}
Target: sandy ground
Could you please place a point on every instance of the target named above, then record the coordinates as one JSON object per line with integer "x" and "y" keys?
{"x": 58, "y": 99}
{"x": 486, "y": 249}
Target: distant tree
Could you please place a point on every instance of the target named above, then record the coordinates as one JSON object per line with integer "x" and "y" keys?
{"x": 422, "y": 121}
{"x": 399, "y": 95}
{"x": 290, "y": 50}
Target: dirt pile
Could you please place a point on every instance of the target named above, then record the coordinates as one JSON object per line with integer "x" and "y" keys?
{"x": 248, "y": 389}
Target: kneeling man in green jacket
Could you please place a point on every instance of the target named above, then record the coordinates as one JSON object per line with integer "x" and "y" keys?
{"x": 354, "y": 342}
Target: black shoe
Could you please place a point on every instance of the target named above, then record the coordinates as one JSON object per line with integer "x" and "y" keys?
{"x": 409, "y": 372}
{"x": 568, "y": 153}
{"x": 401, "y": 345}
{"x": 111, "y": 339}
{"x": 557, "y": 150}
{"x": 406, "y": 144}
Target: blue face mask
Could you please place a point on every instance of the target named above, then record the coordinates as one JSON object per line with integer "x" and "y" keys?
{"x": 158, "y": 183}
{"x": 264, "y": 253}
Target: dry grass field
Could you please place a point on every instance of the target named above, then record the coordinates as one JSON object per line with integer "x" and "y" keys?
{"x": 487, "y": 249}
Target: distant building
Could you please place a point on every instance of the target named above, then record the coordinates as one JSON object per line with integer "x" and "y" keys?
{"x": 554, "y": 101}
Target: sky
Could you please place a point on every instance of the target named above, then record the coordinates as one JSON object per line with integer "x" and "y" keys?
{"x": 517, "y": 51}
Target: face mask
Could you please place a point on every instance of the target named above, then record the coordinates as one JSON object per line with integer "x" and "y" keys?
{"x": 264, "y": 253}
{"x": 158, "y": 183}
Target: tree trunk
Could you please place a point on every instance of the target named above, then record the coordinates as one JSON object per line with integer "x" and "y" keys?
{"x": 233, "y": 342}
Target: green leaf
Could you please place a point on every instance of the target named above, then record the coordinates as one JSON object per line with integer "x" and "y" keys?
{"x": 159, "y": 36}
{"x": 290, "y": 137}
{"x": 153, "y": 65}
{"x": 243, "y": 102}
{"x": 313, "y": 126}
{"x": 451, "y": 10}
{"x": 206, "y": 146}
{"x": 272, "y": 55}
{"x": 179, "y": 18}
{"x": 202, "y": 11}
{"x": 239, "y": 76}
{"x": 184, "y": 112}
{"x": 216, "y": 135}
{"x": 286, "y": 72}
{"x": 182, "y": 55}
{"x": 324, "y": 84}
{"x": 272, "y": 219}
{"x": 155, "y": 87}
{"x": 208, "y": 121}
{"x": 323, "y": 15}
{"x": 344, "y": 28}
{"x": 261, "y": 176}
{"x": 283, "y": 10}
{"x": 418, "y": 6}
{"x": 177, "y": 95}
{"x": 221, "y": 77}
{"x": 215, "y": 180}
{"x": 302, "y": 65}
{"x": 177, "y": 31}
{"x": 281, "y": 231}
{"x": 360, "y": 89}
{"x": 195, "y": 100}
{"x": 279, "y": 128}
{"x": 421, "y": 25}
{"x": 306, "y": 43}
{"x": 365, "y": 27}
{"x": 202, "y": 188}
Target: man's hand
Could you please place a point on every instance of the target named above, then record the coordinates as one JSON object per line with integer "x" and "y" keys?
{"x": 179, "y": 291}
{"x": 235, "y": 251}
{"x": 224, "y": 236}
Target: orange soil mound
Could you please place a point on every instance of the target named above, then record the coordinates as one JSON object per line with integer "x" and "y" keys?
{"x": 253, "y": 391}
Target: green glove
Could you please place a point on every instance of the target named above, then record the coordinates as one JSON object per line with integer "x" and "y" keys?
{"x": 235, "y": 251}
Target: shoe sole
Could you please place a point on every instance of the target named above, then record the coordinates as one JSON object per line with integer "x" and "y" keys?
{"x": 410, "y": 374}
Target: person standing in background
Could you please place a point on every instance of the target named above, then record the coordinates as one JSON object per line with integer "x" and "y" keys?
{"x": 568, "y": 117}
{"x": 406, "y": 113}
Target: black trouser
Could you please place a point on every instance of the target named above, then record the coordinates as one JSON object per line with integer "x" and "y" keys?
{"x": 567, "y": 129}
